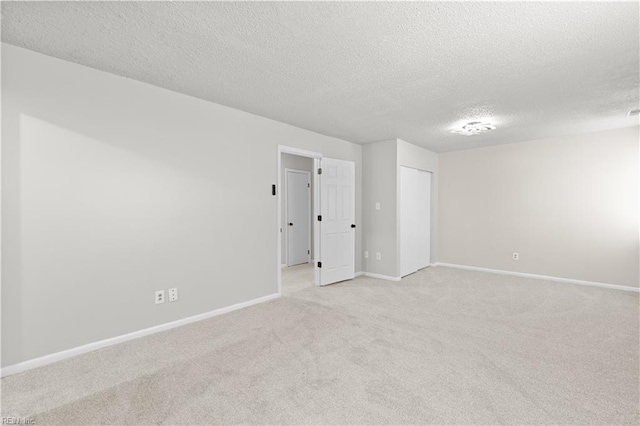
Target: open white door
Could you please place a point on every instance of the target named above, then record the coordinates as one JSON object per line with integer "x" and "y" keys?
{"x": 298, "y": 216}
{"x": 336, "y": 260}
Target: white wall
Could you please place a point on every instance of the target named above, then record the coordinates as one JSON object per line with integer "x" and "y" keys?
{"x": 382, "y": 162}
{"x": 380, "y": 178}
{"x": 112, "y": 189}
{"x": 568, "y": 206}
{"x": 296, "y": 162}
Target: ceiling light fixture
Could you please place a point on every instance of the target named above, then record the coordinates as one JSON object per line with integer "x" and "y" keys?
{"x": 633, "y": 112}
{"x": 474, "y": 128}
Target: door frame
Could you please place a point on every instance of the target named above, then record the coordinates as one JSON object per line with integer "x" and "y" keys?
{"x": 286, "y": 211}
{"x": 316, "y": 156}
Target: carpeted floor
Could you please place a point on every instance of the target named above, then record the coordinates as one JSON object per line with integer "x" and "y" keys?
{"x": 296, "y": 278}
{"x": 441, "y": 346}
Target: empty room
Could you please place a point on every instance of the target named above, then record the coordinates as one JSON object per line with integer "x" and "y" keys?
{"x": 327, "y": 213}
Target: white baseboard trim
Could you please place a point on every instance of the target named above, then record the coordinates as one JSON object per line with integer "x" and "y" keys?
{"x": 284, "y": 265}
{"x": 381, "y": 277}
{"x": 359, "y": 274}
{"x": 69, "y": 353}
{"x": 540, "y": 277}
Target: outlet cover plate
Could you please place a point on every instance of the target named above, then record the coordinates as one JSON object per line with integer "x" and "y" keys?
{"x": 173, "y": 294}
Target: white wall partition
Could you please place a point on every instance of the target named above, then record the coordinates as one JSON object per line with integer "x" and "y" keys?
{"x": 113, "y": 189}
{"x": 568, "y": 206}
{"x": 382, "y": 210}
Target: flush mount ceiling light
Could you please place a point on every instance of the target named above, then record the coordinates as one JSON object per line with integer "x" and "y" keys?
{"x": 633, "y": 112}
{"x": 474, "y": 128}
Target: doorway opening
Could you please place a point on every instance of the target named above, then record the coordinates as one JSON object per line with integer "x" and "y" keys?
{"x": 297, "y": 205}
{"x": 332, "y": 233}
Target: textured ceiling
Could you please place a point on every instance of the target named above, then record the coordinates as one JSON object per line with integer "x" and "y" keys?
{"x": 361, "y": 71}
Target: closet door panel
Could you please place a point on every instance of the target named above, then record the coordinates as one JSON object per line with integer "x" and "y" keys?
{"x": 423, "y": 219}
{"x": 415, "y": 220}
{"x": 407, "y": 221}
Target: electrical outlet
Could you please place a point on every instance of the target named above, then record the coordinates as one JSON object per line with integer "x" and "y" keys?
{"x": 516, "y": 256}
{"x": 378, "y": 256}
{"x": 366, "y": 254}
{"x": 377, "y": 206}
{"x": 159, "y": 297}
{"x": 173, "y": 294}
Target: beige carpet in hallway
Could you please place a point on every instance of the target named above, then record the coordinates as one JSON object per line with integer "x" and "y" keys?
{"x": 441, "y": 346}
{"x": 296, "y": 278}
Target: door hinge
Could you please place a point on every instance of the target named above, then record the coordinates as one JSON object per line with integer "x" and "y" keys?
{"x": 308, "y": 185}
{"x": 308, "y": 251}
{"x": 320, "y": 171}
{"x": 319, "y": 218}
{"x": 319, "y": 264}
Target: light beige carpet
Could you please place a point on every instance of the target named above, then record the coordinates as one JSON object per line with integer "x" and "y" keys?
{"x": 296, "y": 278}
{"x": 442, "y": 346}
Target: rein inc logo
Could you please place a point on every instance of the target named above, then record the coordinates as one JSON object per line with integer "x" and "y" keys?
{"x": 18, "y": 421}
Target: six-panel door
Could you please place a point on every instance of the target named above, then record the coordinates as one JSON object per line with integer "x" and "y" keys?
{"x": 337, "y": 228}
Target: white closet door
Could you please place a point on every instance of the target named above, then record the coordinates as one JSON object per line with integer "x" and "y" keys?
{"x": 423, "y": 219}
{"x": 408, "y": 224}
{"x": 415, "y": 220}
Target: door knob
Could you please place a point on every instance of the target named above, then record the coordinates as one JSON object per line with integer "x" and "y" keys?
{"x": 290, "y": 224}
{"x": 353, "y": 226}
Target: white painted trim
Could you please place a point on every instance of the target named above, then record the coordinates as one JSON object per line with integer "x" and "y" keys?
{"x": 297, "y": 151}
{"x": 284, "y": 265}
{"x": 358, "y": 274}
{"x": 316, "y": 224}
{"x": 382, "y": 277}
{"x": 540, "y": 277}
{"x": 69, "y": 353}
